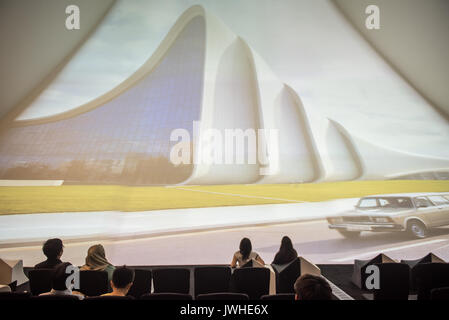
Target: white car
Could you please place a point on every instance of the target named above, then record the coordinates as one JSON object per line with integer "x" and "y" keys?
{"x": 412, "y": 212}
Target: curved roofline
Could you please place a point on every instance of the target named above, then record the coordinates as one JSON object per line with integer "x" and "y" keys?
{"x": 149, "y": 65}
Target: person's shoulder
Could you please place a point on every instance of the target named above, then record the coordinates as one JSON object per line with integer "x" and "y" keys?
{"x": 110, "y": 267}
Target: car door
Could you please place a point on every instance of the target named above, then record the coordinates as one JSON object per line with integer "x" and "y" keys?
{"x": 424, "y": 210}
{"x": 441, "y": 215}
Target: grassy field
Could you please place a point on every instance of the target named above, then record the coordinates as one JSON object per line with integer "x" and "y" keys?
{"x": 16, "y": 200}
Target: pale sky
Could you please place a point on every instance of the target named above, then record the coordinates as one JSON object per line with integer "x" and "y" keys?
{"x": 307, "y": 44}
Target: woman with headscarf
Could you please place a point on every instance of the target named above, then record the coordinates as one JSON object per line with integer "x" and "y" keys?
{"x": 245, "y": 254}
{"x": 96, "y": 261}
{"x": 286, "y": 252}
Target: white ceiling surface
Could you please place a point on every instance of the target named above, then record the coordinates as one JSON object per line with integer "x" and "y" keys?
{"x": 308, "y": 44}
{"x": 34, "y": 41}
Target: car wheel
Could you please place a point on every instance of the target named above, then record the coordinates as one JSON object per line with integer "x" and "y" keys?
{"x": 349, "y": 234}
{"x": 417, "y": 229}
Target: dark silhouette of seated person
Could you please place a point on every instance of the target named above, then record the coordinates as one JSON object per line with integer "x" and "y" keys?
{"x": 122, "y": 280}
{"x": 245, "y": 254}
{"x": 53, "y": 249}
{"x": 286, "y": 253}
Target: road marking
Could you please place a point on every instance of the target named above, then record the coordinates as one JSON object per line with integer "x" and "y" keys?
{"x": 388, "y": 250}
{"x": 239, "y": 195}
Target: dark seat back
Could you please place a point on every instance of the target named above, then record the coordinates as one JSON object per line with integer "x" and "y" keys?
{"x": 110, "y": 298}
{"x": 255, "y": 282}
{"x": 93, "y": 283}
{"x": 285, "y": 279}
{"x": 394, "y": 282}
{"x": 40, "y": 280}
{"x": 166, "y": 296}
{"x": 53, "y": 297}
{"x": 279, "y": 296}
{"x": 222, "y": 296}
{"x": 440, "y": 294}
{"x": 212, "y": 279}
{"x": 141, "y": 284}
{"x": 172, "y": 280}
{"x": 10, "y": 296}
{"x": 428, "y": 276}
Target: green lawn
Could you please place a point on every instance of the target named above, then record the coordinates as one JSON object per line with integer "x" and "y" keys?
{"x": 16, "y": 200}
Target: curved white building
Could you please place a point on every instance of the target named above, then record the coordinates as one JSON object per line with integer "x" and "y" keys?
{"x": 200, "y": 72}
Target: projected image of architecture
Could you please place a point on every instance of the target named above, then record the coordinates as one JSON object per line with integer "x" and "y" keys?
{"x": 124, "y": 137}
{"x": 204, "y": 72}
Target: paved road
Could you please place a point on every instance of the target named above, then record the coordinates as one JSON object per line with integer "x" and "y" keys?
{"x": 312, "y": 239}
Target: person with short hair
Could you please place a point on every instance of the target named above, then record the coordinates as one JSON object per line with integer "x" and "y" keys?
{"x": 310, "y": 287}
{"x": 245, "y": 254}
{"x": 53, "y": 249}
{"x": 286, "y": 252}
{"x": 96, "y": 261}
{"x": 59, "y": 283}
{"x": 122, "y": 281}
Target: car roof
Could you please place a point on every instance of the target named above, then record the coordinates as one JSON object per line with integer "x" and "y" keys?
{"x": 416, "y": 194}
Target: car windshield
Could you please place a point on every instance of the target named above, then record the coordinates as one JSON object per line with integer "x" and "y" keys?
{"x": 385, "y": 202}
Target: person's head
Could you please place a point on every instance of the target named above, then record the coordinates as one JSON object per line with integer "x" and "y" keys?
{"x": 286, "y": 244}
{"x": 96, "y": 250}
{"x": 59, "y": 279}
{"x": 245, "y": 248}
{"x": 96, "y": 257}
{"x": 122, "y": 279}
{"x": 53, "y": 248}
{"x": 310, "y": 287}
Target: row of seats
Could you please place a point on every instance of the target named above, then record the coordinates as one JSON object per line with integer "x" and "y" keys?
{"x": 152, "y": 296}
{"x": 397, "y": 281}
{"x": 254, "y": 282}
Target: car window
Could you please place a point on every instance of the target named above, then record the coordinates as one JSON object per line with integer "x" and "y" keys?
{"x": 368, "y": 203}
{"x": 439, "y": 200}
{"x": 422, "y": 202}
{"x": 393, "y": 202}
{"x": 404, "y": 202}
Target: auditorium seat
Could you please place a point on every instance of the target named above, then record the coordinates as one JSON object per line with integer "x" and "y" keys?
{"x": 394, "y": 282}
{"x": 171, "y": 280}
{"x": 428, "y": 258}
{"x": 359, "y": 274}
{"x": 93, "y": 283}
{"x": 40, "y": 280}
{"x": 255, "y": 282}
{"x": 53, "y": 297}
{"x": 286, "y": 276}
{"x": 141, "y": 284}
{"x": 10, "y": 296}
{"x": 222, "y": 296}
{"x": 279, "y": 296}
{"x": 428, "y": 276}
{"x": 166, "y": 296}
{"x": 440, "y": 294}
{"x": 109, "y": 298}
{"x": 211, "y": 279}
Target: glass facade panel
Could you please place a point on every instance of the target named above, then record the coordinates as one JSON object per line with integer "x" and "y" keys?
{"x": 126, "y": 140}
